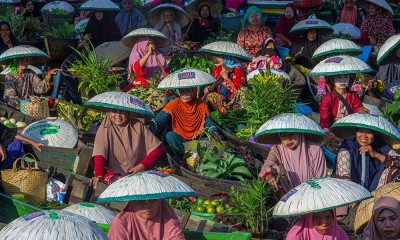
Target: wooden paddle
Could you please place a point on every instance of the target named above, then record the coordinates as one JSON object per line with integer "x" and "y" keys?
{"x": 160, "y": 65}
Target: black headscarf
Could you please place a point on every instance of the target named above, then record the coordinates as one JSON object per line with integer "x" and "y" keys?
{"x": 389, "y": 69}
{"x": 200, "y": 34}
{"x": 102, "y": 31}
{"x": 35, "y": 13}
{"x": 14, "y": 39}
{"x": 302, "y": 50}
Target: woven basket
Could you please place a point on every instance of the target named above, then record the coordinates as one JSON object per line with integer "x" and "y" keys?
{"x": 364, "y": 210}
{"x": 29, "y": 181}
{"x": 37, "y": 109}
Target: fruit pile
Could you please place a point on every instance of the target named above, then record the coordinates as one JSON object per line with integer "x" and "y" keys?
{"x": 203, "y": 205}
{"x": 12, "y": 123}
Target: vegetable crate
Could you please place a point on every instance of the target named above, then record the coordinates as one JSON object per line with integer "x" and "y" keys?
{"x": 59, "y": 48}
{"x": 57, "y": 20}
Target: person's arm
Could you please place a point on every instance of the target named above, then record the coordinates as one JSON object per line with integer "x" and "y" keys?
{"x": 3, "y": 153}
{"x": 287, "y": 40}
{"x": 159, "y": 121}
{"x": 35, "y": 144}
{"x": 343, "y": 165}
{"x": 10, "y": 93}
{"x": 238, "y": 77}
{"x": 42, "y": 86}
{"x": 269, "y": 170}
{"x": 325, "y": 109}
{"x": 149, "y": 160}
{"x": 357, "y": 105}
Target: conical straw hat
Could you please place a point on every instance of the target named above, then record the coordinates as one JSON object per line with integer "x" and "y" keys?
{"x": 286, "y": 123}
{"x": 380, "y": 3}
{"x": 226, "y": 48}
{"x": 52, "y": 132}
{"x": 37, "y": 56}
{"x": 116, "y": 51}
{"x": 186, "y": 78}
{"x": 312, "y": 23}
{"x": 144, "y": 186}
{"x": 319, "y": 194}
{"x": 390, "y": 44}
{"x": 364, "y": 210}
{"x": 121, "y": 101}
{"x": 9, "y": 2}
{"x": 347, "y": 126}
{"x": 81, "y": 26}
{"x": 58, "y": 5}
{"x": 274, "y": 72}
{"x": 180, "y": 15}
{"x": 52, "y": 225}
{"x": 99, "y": 5}
{"x": 337, "y": 46}
{"x": 348, "y": 29}
{"x": 373, "y": 109}
{"x": 340, "y": 65}
{"x": 91, "y": 211}
{"x": 159, "y": 39}
{"x": 215, "y": 6}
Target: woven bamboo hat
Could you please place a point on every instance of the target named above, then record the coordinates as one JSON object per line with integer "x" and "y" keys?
{"x": 348, "y": 29}
{"x": 37, "y": 56}
{"x": 337, "y": 46}
{"x": 390, "y": 44}
{"x": 159, "y": 39}
{"x": 215, "y": 6}
{"x": 313, "y": 22}
{"x": 116, "y": 51}
{"x": 180, "y": 15}
{"x": 364, "y": 210}
{"x": 186, "y": 78}
{"x": 380, "y": 3}
{"x": 340, "y": 65}
{"x": 91, "y": 211}
{"x": 99, "y": 5}
{"x": 226, "y": 48}
{"x": 58, "y": 5}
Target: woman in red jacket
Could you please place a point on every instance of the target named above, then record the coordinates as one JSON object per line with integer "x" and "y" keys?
{"x": 332, "y": 108}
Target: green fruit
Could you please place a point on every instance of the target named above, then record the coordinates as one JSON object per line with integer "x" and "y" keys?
{"x": 3, "y": 119}
{"x": 200, "y": 201}
{"x": 210, "y": 209}
{"x": 20, "y": 124}
{"x": 200, "y": 209}
{"x": 10, "y": 125}
{"x": 206, "y": 202}
{"x": 6, "y": 121}
{"x": 216, "y": 202}
{"x": 13, "y": 121}
{"x": 220, "y": 209}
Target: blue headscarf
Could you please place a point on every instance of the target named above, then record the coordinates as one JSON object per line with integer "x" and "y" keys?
{"x": 231, "y": 62}
{"x": 374, "y": 167}
{"x": 249, "y": 11}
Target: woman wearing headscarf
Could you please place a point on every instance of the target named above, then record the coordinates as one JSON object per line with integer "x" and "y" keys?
{"x": 170, "y": 28}
{"x": 21, "y": 83}
{"x": 304, "y": 47}
{"x": 283, "y": 37}
{"x": 30, "y": 11}
{"x": 143, "y": 62}
{"x": 389, "y": 68}
{"x": 317, "y": 226}
{"x": 123, "y": 145}
{"x": 8, "y": 39}
{"x": 385, "y": 221}
{"x": 189, "y": 116}
{"x": 299, "y": 158}
{"x": 377, "y": 27}
{"x": 204, "y": 25}
{"x": 267, "y": 57}
{"x": 129, "y": 18}
{"x": 349, "y": 13}
{"x": 231, "y": 77}
{"x": 102, "y": 28}
{"x": 332, "y": 108}
{"x": 146, "y": 219}
{"x": 253, "y": 35}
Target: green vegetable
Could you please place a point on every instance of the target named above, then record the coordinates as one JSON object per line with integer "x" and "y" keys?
{"x": 183, "y": 60}
{"x": 59, "y": 11}
{"x": 65, "y": 31}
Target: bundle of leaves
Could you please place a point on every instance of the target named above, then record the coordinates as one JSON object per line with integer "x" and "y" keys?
{"x": 59, "y": 11}
{"x": 266, "y": 98}
{"x": 31, "y": 28}
{"x": 183, "y": 60}
{"x": 221, "y": 35}
{"x": 16, "y": 21}
{"x": 66, "y": 31}
{"x": 94, "y": 72}
{"x": 74, "y": 114}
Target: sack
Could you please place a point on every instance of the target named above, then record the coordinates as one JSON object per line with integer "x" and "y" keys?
{"x": 29, "y": 181}
{"x": 38, "y": 109}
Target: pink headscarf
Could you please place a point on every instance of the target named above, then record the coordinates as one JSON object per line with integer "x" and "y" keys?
{"x": 164, "y": 225}
{"x": 304, "y": 162}
{"x": 304, "y": 230}
{"x": 371, "y": 231}
{"x": 138, "y": 51}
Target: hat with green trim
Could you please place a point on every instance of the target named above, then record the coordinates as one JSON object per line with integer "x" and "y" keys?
{"x": 313, "y": 22}
{"x": 186, "y": 78}
{"x": 323, "y": 194}
{"x": 390, "y": 44}
{"x": 100, "y": 5}
{"x": 91, "y": 211}
{"x": 145, "y": 186}
{"x": 159, "y": 39}
{"x": 180, "y": 15}
{"x": 346, "y": 29}
{"x": 58, "y": 5}
{"x": 340, "y": 65}
{"x": 121, "y": 101}
{"x": 289, "y": 123}
{"x": 348, "y": 126}
{"x": 36, "y": 55}
{"x": 380, "y": 3}
{"x": 227, "y": 49}
{"x": 337, "y": 46}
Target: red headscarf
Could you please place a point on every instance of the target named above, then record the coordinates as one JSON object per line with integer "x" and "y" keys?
{"x": 164, "y": 225}
{"x": 349, "y": 15}
{"x": 285, "y": 25}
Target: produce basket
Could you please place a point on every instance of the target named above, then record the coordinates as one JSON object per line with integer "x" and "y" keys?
{"x": 59, "y": 48}
{"x": 56, "y": 20}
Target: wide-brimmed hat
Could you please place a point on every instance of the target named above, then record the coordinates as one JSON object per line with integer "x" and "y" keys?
{"x": 313, "y": 22}
{"x": 91, "y": 211}
{"x": 340, "y": 65}
{"x": 115, "y": 51}
{"x": 11, "y": 2}
{"x": 121, "y": 101}
{"x": 289, "y": 123}
{"x": 159, "y": 39}
{"x": 347, "y": 126}
{"x": 215, "y": 7}
{"x": 390, "y": 44}
{"x": 337, "y": 46}
{"x": 319, "y": 194}
{"x": 180, "y": 15}
{"x": 37, "y": 56}
{"x": 100, "y": 5}
{"x": 186, "y": 78}
{"x": 145, "y": 186}
{"x": 58, "y": 5}
{"x": 380, "y": 3}
{"x": 227, "y": 49}
{"x": 273, "y": 72}
{"x": 347, "y": 29}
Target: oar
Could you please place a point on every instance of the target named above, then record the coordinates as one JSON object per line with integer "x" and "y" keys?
{"x": 159, "y": 64}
